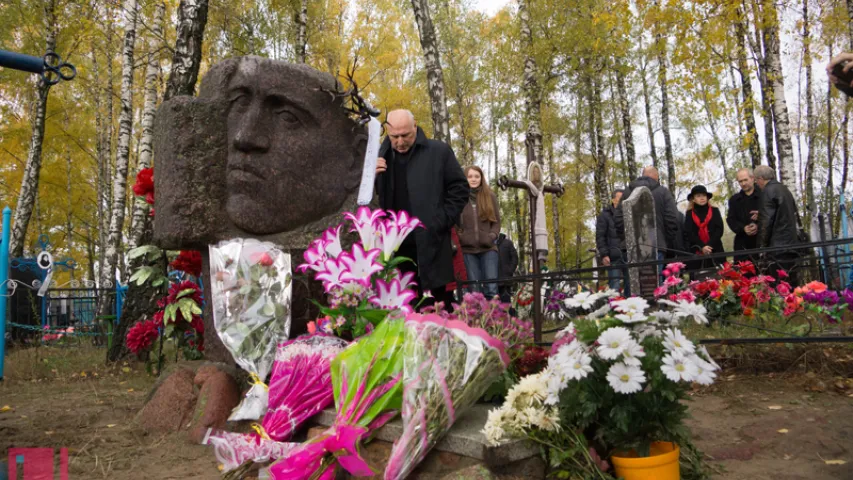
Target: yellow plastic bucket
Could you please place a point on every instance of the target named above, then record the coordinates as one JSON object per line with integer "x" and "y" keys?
{"x": 661, "y": 464}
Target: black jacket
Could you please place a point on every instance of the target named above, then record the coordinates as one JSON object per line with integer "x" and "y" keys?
{"x": 715, "y": 230}
{"x": 738, "y": 217}
{"x": 777, "y": 217}
{"x": 666, "y": 218}
{"x": 507, "y": 257}
{"x": 607, "y": 241}
{"x": 438, "y": 191}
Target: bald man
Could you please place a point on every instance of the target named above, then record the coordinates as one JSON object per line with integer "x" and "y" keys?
{"x": 666, "y": 214}
{"x": 422, "y": 177}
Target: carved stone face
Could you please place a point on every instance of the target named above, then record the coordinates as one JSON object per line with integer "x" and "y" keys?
{"x": 292, "y": 152}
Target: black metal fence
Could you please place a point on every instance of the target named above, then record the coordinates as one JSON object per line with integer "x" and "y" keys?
{"x": 830, "y": 262}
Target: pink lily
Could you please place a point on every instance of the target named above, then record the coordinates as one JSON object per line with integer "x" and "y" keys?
{"x": 392, "y": 296}
{"x": 332, "y": 239}
{"x": 331, "y": 277}
{"x": 314, "y": 256}
{"x": 360, "y": 265}
{"x": 406, "y": 279}
{"x": 364, "y": 222}
{"x": 405, "y": 222}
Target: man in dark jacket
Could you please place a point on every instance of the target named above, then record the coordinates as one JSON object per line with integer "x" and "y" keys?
{"x": 422, "y": 177}
{"x": 777, "y": 222}
{"x": 666, "y": 217}
{"x": 607, "y": 243}
{"x": 507, "y": 264}
{"x": 742, "y": 216}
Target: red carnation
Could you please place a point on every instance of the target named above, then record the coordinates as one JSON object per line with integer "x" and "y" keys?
{"x": 144, "y": 186}
{"x": 177, "y": 288}
{"x": 141, "y": 336}
{"x": 188, "y": 261}
{"x": 198, "y": 325}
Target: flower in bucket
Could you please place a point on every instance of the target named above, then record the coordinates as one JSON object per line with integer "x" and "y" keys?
{"x": 363, "y": 283}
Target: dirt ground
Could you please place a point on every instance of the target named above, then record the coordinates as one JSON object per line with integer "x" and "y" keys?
{"x": 790, "y": 426}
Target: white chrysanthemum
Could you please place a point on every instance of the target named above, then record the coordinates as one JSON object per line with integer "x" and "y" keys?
{"x": 632, "y": 353}
{"x": 533, "y": 387}
{"x": 608, "y": 293}
{"x": 612, "y": 342}
{"x": 632, "y": 317}
{"x": 600, "y": 312}
{"x": 685, "y": 309}
{"x": 675, "y": 341}
{"x": 570, "y": 329}
{"x": 678, "y": 368}
{"x": 707, "y": 357}
{"x": 626, "y": 378}
{"x": 631, "y": 305}
{"x": 577, "y": 367}
{"x": 705, "y": 371}
{"x": 494, "y": 428}
{"x": 556, "y": 383}
{"x": 584, "y": 300}
{"x": 663, "y": 316}
{"x": 547, "y": 419}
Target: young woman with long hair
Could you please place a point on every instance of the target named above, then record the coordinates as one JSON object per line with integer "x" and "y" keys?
{"x": 479, "y": 227}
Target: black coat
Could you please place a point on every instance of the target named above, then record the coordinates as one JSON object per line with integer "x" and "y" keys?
{"x": 738, "y": 217}
{"x": 777, "y": 217}
{"x": 438, "y": 191}
{"x": 607, "y": 241}
{"x": 715, "y": 230}
{"x": 507, "y": 256}
{"x": 666, "y": 217}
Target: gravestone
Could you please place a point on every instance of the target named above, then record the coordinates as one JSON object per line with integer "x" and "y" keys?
{"x": 641, "y": 240}
{"x": 265, "y": 151}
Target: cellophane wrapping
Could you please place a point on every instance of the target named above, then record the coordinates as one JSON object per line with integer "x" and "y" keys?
{"x": 447, "y": 366}
{"x": 300, "y": 387}
{"x": 251, "y": 294}
{"x": 366, "y": 378}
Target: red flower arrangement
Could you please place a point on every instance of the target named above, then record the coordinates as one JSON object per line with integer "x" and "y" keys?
{"x": 177, "y": 288}
{"x": 144, "y": 186}
{"x": 142, "y": 335}
{"x": 188, "y": 261}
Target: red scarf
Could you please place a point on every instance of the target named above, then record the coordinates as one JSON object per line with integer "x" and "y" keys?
{"x": 704, "y": 235}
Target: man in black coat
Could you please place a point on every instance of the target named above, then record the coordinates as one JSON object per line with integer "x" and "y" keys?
{"x": 742, "y": 216}
{"x": 669, "y": 233}
{"x": 422, "y": 177}
{"x": 609, "y": 247}
{"x": 777, "y": 222}
{"x": 507, "y": 264}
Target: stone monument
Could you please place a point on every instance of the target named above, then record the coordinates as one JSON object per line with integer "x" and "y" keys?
{"x": 641, "y": 240}
{"x": 265, "y": 151}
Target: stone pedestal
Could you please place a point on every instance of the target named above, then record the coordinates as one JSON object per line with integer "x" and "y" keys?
{"x": 640, "y": 240}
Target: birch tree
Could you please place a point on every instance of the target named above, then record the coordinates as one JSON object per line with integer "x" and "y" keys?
{"x": 30, "y": 182}
{"x": 142, "y": 209}
{"x": 784, "y": 147}
{"x": 532, "y": 90}
{"x": 808, "y": 180}
{"x": 302, "y": 32}
{"x": 435, "y": 74}
{"x": 747, "y": 109}
{"x": 625, "y": 110}
{"x": 186, "y": 61}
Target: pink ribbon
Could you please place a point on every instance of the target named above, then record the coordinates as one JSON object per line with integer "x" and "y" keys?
{"x": 340, "y": 441}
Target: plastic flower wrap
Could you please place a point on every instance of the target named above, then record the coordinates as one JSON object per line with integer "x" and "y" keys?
{"x": 447, "y": 367}
{"x": 251, "y": 292}
{"x": 366, "y": 378}
{"x": 300, "y": 387}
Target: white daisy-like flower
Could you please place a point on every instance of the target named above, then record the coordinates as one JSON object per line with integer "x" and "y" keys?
{"x": 608, "y": 293}
{"x": 599, "y": 312}
{"x": 577, "y": 367}
{"x": 631, "y": 305}
{"x": 570, "y": 329}
{"x": 705, "y": 374}
{"x": 626, "y": 378}
{"x": 663, "y": 316}
{"x": 632, "y": 317}
{"x": 685, "y": 309}
{"x": 584, "y": 300}
{"x": 678, "y": 368}
{"x": 632, "y": 353}
{"x": 533, "y": 386}
{"x": 612, "y": 342}
{"x": 675, "y": 341}
{"x": 707, "y": 357}
{"x": 555, "y": 384}
{"x": 549, "y": 420}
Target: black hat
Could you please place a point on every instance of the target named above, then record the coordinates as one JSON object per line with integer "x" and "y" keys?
{"x": 699, "y": 189}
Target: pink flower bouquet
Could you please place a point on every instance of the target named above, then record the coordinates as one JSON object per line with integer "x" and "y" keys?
{"x": 447, "y": 366}
{"x": 366, "y": 378}
{"x": 300, "y": 387}
{"x": 251, "y": 292}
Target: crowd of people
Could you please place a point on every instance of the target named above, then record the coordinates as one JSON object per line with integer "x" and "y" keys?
{"x": 762, "y": 214}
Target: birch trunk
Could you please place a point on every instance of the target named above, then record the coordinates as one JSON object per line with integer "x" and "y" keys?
{"x": 600, "y": 170}
{"x": 435, "y": 75}
{"x": 664, "y": 113}
{"x": 625, "y": 109}
{"x": 829, "y": 191}
{"x": 302, "y": 32}
{"x": 30, "y": 181}
{"x": 758, "y": 46}
{"x": 648, "y": 109}
{"x": 112, "y": 257}
{"x": 718, "y": 144}
{"x": 784, "y": 147}
{"x": 141, "y": 209}
{"x": 520, "y": 230}
{"x": 751, "y": 137}
{"x": 555, "y": 211}
{"x": 192, "y": 19}
{"x": 808, "y": 180}
{"x": 531, "y": 89}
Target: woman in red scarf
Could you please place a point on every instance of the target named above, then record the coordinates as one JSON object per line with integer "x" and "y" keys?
{"x": 703, "y": 229}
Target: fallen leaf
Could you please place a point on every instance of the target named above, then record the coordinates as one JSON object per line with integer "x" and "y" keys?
{"x": 221, "y": 467}
{"x": 23, "y": 416}
{"x": 83, "y": 374}
{"x": 95, "y": 374}
{"x": 782, "y": 430}
{"x": 788, "y": 457}
{"x": 111, "y": 425}
{"x": 129, "y": 389}
{"x": 5, "y": 408}
{"x": 49, "y": 432}
{"x": 834, "y": 462}
{"x": 121, "y": 383}
{"x": 775, "y": 407}
{"x": 126, "y": 369}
